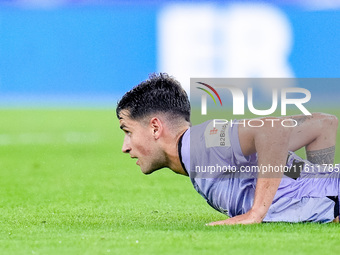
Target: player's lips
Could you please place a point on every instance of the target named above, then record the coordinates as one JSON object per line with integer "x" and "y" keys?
{"x": 136, "y": 161}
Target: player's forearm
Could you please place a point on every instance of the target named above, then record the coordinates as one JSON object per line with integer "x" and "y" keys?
{"x": 272, "y": 149}
{"x": 266, "y": 189}
{"x": 271, "y": 166}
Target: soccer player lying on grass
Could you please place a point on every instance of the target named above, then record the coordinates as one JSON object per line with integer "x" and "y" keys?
{"x": 155, "y": 116}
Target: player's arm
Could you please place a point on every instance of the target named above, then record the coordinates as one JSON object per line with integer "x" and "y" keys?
{"x": 271, "y": 145}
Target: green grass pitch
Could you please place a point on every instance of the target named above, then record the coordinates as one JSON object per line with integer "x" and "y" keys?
{"x": 66, "y": 188}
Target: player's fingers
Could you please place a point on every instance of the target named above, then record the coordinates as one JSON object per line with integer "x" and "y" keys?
{"x": 221, "y": 222}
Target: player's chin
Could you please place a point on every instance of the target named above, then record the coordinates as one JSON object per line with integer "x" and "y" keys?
{"x": 147, "y": 170}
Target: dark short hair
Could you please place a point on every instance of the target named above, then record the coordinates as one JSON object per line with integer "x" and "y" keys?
{"x": 160, "y": 93}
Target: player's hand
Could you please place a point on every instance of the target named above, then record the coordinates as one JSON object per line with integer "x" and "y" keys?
{"x": 247, "y": 218}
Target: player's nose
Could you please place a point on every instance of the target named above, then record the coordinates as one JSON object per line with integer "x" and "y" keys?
{"x": 126, "y": 145}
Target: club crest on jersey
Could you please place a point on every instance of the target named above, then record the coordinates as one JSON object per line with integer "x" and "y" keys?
{"x": 213, "y": 131}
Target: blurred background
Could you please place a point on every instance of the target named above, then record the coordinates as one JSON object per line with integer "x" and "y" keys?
{"x": 88, "y": 53}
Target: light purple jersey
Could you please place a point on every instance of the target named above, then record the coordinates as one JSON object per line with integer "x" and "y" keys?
{"x": 213, "y": 158}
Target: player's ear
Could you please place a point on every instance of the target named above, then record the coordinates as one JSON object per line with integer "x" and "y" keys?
{"x": 156, "y": 127}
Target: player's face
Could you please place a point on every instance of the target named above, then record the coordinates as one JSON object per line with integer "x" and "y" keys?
{"x": 140, "y": 144}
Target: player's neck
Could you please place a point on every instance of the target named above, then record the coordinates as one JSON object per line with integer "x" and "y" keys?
{"x": 173, "y": 154}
